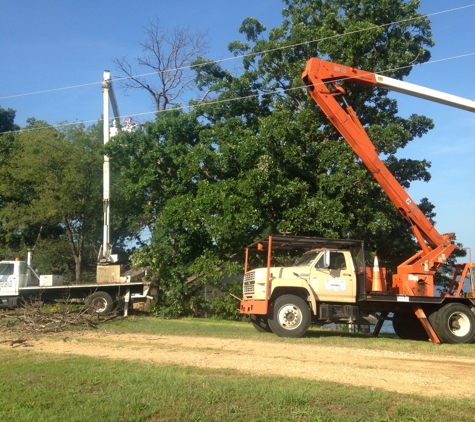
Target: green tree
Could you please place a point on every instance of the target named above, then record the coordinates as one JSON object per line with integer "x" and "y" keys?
{"x": 52, "y": 186}
{"x": 7, "y": 118}
{"x": 257, "y": 156}
{"x": 336, "y": 195}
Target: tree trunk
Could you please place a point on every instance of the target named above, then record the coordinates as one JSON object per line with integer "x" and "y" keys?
{"x": 76, "y": 245}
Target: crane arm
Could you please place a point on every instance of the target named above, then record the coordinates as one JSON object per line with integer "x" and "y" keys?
{"x": 318, "y": 76}
{"x": 424, "y": 93}
{"x": 107, "y": 96}
{"x": 109, "y": 92}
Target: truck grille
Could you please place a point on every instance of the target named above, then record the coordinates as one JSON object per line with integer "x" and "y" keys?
{"x": 249, "y": 280}
{"x": 250, "y": 277}
{"x": 248, "y": 289}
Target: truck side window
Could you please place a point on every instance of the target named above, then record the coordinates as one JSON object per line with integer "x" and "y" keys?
{"x": 337, "y": 261}
{"x": 319, "y": 263}
{"x": 23, "y": 268}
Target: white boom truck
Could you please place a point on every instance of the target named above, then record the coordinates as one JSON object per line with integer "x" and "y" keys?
{"x": 19, "y": 282}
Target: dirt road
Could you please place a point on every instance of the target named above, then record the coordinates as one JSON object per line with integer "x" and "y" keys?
{"x": 393, "y": 371}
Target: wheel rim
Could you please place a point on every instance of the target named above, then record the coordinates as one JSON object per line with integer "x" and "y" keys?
{"x": 99, "y": 304}
{"x": 459, "y": 324}
{"x": 289, "y": 317}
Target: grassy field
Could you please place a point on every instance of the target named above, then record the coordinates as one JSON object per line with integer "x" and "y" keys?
{"x": 40, "y": 387}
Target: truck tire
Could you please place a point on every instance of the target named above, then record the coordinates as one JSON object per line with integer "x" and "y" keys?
{"x": 289, "y": 316}
{"x": 408, "y": 327}
{"x": 454, "y": 323}
{"x": 434, "y": 321}
{"x": 100, "y": 303}
{"x": 260, "y": 323}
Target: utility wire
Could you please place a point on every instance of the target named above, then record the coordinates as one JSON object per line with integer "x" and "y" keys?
{"x": 243, "y": 55}
{"x": 228, "y": 100}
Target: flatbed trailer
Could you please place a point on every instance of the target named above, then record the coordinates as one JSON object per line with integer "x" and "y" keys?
{"x": 18, "y": 282}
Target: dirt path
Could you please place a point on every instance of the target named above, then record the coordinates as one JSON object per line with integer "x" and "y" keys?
{"x": 393, "y": 371}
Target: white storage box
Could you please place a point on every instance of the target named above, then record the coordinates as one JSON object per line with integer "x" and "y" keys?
{"x": 51, "y": 280}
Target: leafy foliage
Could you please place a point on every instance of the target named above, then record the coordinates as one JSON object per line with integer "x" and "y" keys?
{"x": 51, "y": 195}
{"x": 256, "y": 156}
{"x": 7, "y": 118}
{"x": 227, "y": 306}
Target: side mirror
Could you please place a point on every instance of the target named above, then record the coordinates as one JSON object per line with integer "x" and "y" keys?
{"x": 326, "y": 258}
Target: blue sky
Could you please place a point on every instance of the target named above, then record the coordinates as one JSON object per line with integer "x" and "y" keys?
{"x": 50, "y": 44}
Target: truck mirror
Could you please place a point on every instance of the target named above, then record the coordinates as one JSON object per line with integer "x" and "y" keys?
{"x": 326, "y": 258}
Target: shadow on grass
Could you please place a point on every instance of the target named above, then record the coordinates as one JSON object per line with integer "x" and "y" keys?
{"x": 329, "y": 333}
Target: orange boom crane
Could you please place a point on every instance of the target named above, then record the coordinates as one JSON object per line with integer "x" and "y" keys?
{"x": 415, "y": 276}
{"x": 330, "y": 282}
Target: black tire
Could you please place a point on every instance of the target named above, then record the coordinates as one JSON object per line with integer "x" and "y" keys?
{"x": 408, "y": 327}
{"x": 289, "y": 316}
{"x": 434, "y": 321}
{"x": 100, "y": 303}
{"x": 260, "y": 323}
{"x": 454, "y": 323}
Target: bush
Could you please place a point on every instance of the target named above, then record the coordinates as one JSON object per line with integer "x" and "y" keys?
{"x": 173, "y": 303}
{"x": 177, "y": 303}
{"x": 227, "y": 305}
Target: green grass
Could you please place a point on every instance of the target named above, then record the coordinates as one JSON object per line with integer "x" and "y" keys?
{"x": 38, "y": 387}
{"x": 41, "y": 387}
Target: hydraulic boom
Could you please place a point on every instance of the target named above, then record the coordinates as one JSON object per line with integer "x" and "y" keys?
{"x": 415, "y": 276}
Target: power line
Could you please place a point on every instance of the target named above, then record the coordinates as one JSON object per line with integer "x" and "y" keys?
{"x": 243, "y": 55}
{"x": 228, "y": 100}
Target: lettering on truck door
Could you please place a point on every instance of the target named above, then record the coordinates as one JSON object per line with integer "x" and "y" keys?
{"x": 336, "y": 283}
{"x": 8, "y": 279}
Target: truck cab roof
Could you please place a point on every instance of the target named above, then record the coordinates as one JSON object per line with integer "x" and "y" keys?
{"x": 303, "y": 242}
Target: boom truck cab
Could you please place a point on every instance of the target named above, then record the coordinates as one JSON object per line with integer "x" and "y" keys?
{"x": 417, "y": 312}
{"x": 321, "y": 286}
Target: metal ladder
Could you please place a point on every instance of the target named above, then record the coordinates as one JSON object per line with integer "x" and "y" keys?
{"x": 456, "y": 285}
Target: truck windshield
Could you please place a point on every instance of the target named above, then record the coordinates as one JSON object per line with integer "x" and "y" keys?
{"x": 307, "y": 259}
{"x": 6, "y": 269}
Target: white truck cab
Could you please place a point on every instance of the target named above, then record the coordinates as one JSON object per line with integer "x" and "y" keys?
{"x": 15, "y": 275}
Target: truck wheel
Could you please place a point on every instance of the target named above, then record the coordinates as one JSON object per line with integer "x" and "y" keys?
{"x": 455, "y": 324}
{"x": 289, "y": 316}
{"x": 408, "y": 327}
{"x": 100, "y": 303}
{"x": 434, "y": 321}
{"x": 260, "y": 323}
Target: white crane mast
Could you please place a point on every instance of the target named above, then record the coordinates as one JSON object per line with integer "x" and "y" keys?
{"x": 424, "y": 93}
{"x": 107, "y": 96}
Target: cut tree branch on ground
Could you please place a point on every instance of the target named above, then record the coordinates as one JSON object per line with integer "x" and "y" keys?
{"x": 34, "y": 317}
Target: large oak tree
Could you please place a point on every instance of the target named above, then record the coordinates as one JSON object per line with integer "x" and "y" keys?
{"x": 257, "y": 156}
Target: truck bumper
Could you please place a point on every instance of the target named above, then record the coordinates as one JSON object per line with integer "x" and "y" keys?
{"x": 8, "y": 302}
{"x": 256, "y": 307}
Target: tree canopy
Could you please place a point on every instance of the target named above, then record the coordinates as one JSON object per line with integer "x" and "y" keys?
{"x": 51, "y": 196}
{"x": 256, "y": 156}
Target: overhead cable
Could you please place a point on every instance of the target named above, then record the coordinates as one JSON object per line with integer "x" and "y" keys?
{"x": 243, "y": 55}
{"x": 228, "y": 100}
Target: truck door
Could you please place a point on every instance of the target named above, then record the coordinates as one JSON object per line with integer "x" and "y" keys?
{"x": 24, "y": 274}
{"x": 337, "y": 283}
{"x": 8, "y": 279}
